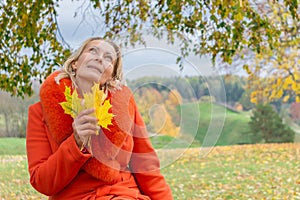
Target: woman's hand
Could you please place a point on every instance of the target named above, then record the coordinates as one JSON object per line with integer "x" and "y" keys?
{"x": 84, "y": 126}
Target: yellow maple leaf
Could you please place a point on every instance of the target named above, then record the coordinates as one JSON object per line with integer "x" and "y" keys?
{"x": 99, "y": 95}
{"x": 67, "y": 106}
{"x": 76, "y": 103}
{"x": 72, "y": 105}
{"x": 103, "y": 116}
{"x": 89, "y": 101}
{"x": 94, "y": 99}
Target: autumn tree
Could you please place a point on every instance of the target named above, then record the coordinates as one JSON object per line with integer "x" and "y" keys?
{"x": 146, "y": 98}
{"x": 31, "y": 43}
{"x": 172, "y": 104}
{"x": 282, "y": 81}
{"x": 155, "y": 110}
{"x": 162, "y": 122}
{"x": 273, "y": 71}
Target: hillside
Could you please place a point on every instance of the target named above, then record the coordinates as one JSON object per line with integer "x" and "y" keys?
{"x": 216, "y": 125}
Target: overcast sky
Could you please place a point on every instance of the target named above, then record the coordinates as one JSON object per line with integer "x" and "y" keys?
{"x": 158, "y": 58}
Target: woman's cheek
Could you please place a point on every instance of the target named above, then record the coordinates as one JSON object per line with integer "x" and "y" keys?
{"x": 106, "y": 76}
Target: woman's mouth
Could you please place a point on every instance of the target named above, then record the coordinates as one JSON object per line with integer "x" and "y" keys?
{"x": 94, "y": 67}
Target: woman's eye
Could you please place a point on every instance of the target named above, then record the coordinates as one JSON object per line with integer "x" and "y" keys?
{"x": 109, "y": 58}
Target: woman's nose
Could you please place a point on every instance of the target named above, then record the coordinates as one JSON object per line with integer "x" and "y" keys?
{"x": 99, "y": 58}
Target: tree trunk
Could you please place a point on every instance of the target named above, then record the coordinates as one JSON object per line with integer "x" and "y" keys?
{"x": 6, "y": 121}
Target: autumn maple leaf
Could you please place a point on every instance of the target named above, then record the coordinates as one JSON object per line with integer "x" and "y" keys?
{"x": 103, "y": 116}
{"x": 94, "y": 99}
{"x": 72, "y": 106}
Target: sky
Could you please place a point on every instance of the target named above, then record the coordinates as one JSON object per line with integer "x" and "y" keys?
{"x": 158, "y": 58}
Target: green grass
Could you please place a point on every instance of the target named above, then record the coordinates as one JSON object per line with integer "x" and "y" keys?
{"x": 12, "y": 146}
{"x": 265, "y": 171}
{"x": 14, "y": 179}
{"x": 213, "y": 124}
{"x": 169, "y": 142}
{"x": 237, "y": 172}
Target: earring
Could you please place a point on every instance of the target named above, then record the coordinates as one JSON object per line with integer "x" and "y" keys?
{"x": 73, "y": 68}
{"x": 73, "y": 73}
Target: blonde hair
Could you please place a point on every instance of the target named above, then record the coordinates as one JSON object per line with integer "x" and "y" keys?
{"x": 67, "y": 70}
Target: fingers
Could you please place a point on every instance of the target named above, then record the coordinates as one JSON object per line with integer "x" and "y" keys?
{"x": 85, "y": 120}
{"x": 86, "y": 112}
{"x": 85, "y": 124}
{"x": 86, "y": 129}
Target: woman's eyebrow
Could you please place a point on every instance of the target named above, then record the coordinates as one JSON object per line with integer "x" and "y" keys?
{"x": 91, "y": 46}
{"x": 110, "y": 53}
{"x": 95, "y": 47}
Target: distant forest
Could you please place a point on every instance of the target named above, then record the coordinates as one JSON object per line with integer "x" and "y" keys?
{"x": 228, "y": 90}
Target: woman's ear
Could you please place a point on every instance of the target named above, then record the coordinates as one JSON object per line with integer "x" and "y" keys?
{"x": 74, "y": 65}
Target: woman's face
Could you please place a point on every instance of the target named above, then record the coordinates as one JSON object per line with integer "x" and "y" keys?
{"x": 95, "y": 64}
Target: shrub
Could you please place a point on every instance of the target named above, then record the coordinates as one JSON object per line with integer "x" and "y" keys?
{"x": 267, "y": 126}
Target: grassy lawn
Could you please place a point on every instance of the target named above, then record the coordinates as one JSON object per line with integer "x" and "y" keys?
{"x": 216, "y": 124}
{"x": 169, "y": 142}
{"x": 12, "y": 146}
{"x": 14, "y": 179}
{"x": 269, "y": 171}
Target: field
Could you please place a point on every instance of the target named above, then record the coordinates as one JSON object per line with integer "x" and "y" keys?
{"x": 237, "y": 172}
{"x": 12, "y": 146}
{"x": 216, "y": 125}
{"x": 266, "y": 171}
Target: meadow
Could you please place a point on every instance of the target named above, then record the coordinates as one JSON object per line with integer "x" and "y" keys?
{"x": 261, "y": 171}
{"x": 214, "y": 125}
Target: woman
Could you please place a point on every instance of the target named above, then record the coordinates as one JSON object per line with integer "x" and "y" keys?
{"x": 123, "y": 165}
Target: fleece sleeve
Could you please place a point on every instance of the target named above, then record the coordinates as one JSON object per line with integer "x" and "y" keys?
{"x": 50, "y": 172}
{"x": 145, "y": 165}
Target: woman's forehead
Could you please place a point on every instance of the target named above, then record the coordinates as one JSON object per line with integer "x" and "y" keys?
{"x": 102, "y": 45}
